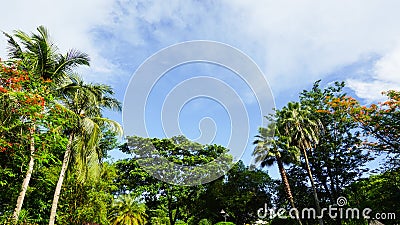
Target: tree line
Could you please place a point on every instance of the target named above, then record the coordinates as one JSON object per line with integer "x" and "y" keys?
{"x": 54, "y": 144}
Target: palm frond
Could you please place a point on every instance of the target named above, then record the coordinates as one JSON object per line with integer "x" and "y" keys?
{"x": 109, "y": 124}
{"x": 14, "y": 49}
{"x": 72, "y": 59}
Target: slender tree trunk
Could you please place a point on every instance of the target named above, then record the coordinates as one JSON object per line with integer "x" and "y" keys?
{"x": 321, "y": 222}
{"x": 27, "y": 178}
{"x": 170, "y": 215}
{"x": 286, "y": 184}
{"x": 61, "y": 179}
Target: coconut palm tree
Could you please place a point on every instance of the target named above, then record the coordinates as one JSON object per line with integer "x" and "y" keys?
{"x": 273, "y": 147}
{"x": 303, "y": 133}
{"x": 86, "y": 102}
{"x": 127, "y": 211}
{"x": 38, "y": 54}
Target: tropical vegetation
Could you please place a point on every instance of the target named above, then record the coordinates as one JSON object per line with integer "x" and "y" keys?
{"x": 55, "y": 166}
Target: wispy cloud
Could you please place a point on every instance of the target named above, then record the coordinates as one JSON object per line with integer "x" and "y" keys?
{"x": 70, "y": 24}
{"x": 384, "y": 76}
{"x": 295, "y": 43}
{"x": 307, "y": 40}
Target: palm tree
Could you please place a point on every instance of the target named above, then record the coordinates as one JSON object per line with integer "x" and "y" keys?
{"x": 127, "y": 211}
{"x": 86, "y": 102}
{"x": 273, "y": 147}
{"x": 40, "y": 55}
{"x": 303, "y": 133}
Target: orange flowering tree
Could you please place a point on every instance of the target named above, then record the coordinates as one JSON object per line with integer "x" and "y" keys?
{"x": 26, "y": 102}
{"x": 380, "y": 122}
{"x": 337, "y": 159}
{"x": 381, "y": 126}
{"x": 31, "y": 123}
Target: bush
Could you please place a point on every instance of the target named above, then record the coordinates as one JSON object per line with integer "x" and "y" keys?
{"x": 204, "y": 222}
{"x": 224, "y": 223}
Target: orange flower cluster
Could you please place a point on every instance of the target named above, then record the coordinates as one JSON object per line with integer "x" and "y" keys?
{"x": 338, "y": 105}
{"x": 3, "y": 90}
{"x": 15, "y": 78}
{"x": 47, "y": 80}
{"x": 393, "y": 103}
{"x": 21, "y": 78}
{"x": 322, "y": 111}
{"x": 4, "y": 146}
{"x": 344, "y": 102}
{"x": 35, "y": 100}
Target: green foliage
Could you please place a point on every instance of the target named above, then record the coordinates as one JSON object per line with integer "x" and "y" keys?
{"x": 224, "y": 223}
{"x": 326, "y": 136}
{"x": 87, "y": 202}
{"x": 158, "y": 216}
{"x": 179, "y": 201}
{"x": 38, "y": 54}
{"x": 30, "y": 113}
{"x": 94, "y": 134}
{"x": 204, "y": 222}
{"x": 126, "y": 210}
{"x": 180, "y": 161}
{"x": 243, "y": 191}
{"x": 337, "y": 159}
{"x": 34, "y": 123}
{"x": 381, "y": 193}
{"x": 271, "y": 147}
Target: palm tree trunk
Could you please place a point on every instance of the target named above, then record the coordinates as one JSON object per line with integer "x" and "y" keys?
{"x": 286, "y": 184}
{"x": 27, "y": 178}
{"x": 60, "y": 180}
{"x": 321, "y": 222}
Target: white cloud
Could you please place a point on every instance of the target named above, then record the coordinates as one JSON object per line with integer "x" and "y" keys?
{"x": 69, "y": 23}
{"x": 305, "y": 40}
{"x": 385, "y": 76}
{"x": 388, "y": 67}
{"x": 294, "y": 42}
{"x": 369, "y": 91}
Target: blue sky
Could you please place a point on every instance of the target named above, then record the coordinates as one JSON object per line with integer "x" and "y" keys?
{"x": 293, "y": 42}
